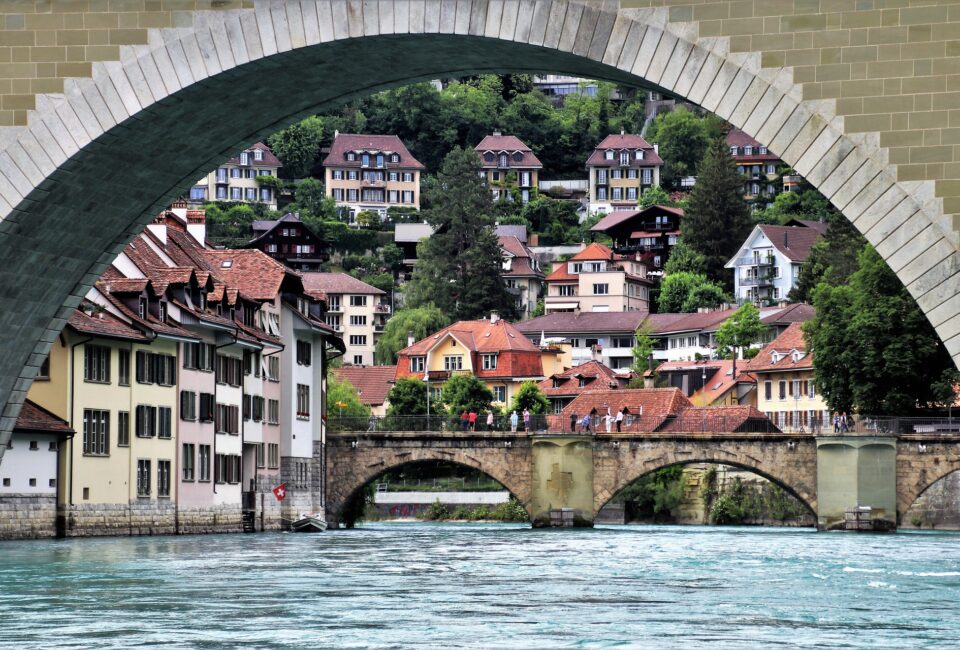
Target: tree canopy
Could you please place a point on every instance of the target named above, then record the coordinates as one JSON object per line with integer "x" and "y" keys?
{"x": 420, "y": 321}
{"x": 682, "y": 137}
{"x": 466, "y": 393}
{"x": 298, "y": 146}
{"x": 408, "y": 396}
{"x": 687, "y": 292}
{"x": 741, "y": 330}
{"x": 343, "y": 399}
{"x": 529, "y": 396}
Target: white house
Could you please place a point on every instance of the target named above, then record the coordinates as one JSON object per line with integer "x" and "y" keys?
{"x": 769, "y": 263}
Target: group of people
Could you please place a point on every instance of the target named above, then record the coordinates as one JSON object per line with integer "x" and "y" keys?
{"x": 593, "y": 419}
{"x": 468, "y": 420}
{"x": 840, "y": 422}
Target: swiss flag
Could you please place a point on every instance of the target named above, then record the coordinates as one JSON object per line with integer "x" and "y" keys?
{"x": 280, "y": 491}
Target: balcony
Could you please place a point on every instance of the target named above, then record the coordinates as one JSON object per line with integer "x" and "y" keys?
{"x": 369, "y": 182}
{"x": 382, "y": 308}
{"x": 334, "y": 308}
{"x": 764, "y": 281}
{"x": 751, "y": 260}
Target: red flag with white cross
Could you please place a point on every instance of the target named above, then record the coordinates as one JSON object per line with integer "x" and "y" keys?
{"x": 280, "y": 491}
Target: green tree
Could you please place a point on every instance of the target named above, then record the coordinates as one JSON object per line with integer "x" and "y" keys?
{"x": 467, "y": 284}
{"x": 741, "y": 330}
{"x": 687, "y": 292}
{"x": 874, "y": 351}
{"x": 654, "y": 195}
{"x": 683, "y": 138}
{"x": 298, "y": 146}
{"x": 684, "y": 259}
{"x": 343, "y": 399}
{"x": 419, "y": 322}
{"x": 529, "y": 396}
{"x": 466, "y": 393}
{"x": 408, "y": 396}
{"x": 643, "y": 348}
{"x": 807, "y": 204}
{"x": 717, "y": 219}
{"x": 833, "y": 258}
{"x": 229, "y": 224}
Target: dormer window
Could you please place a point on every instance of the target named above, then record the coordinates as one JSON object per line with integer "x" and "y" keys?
{"x": 608, "y": 154}
{"x": 144, "y": 305}
{"x": 245, "y": 158}
{"x": 162, "y": 312}
{"x": 504, "y": 160}
{"x": 624, "y": 158}
{"x": 733, "y": 151}
{"x": 748, "y": 151}
{"x": 639, "y": 154}
{"x": 203, "y": 300}
{"x": 775, "y": 357}
{"x": 351, "y": 156}
{"x": 763, "y": 151}
{"x": 796, "y": 356}
{"x": 518, "y": 156}
{"x": 557, "y": 383}
{"x": 258, "y": 154}
{"x": 379, "y": 160}
{"x": 365, "y": 160}
{"x": 394, "y": 157}
{"x": 489, "y": 157}
{"x": 226, "y": 264}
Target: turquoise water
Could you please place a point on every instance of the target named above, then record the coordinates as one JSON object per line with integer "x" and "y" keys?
{"x": 485, "y": 586}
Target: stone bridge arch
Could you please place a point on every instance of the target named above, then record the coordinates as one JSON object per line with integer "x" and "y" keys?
{"x": 351, "y": 468}
{"x": 790, "y": 464}
{"x": 920, "y": 464}
{"x": 156, "y": 98}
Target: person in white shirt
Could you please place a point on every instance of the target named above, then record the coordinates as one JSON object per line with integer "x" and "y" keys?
{"x": 620, "y": 418}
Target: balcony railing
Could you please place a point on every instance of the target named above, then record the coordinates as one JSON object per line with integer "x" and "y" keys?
{"x": 750, "y": 260}
{"x": 335, "y": 308}
{"x": 382, "y": 308}
{"x": 369, "y": 182}
{"x": 756, "y": 282}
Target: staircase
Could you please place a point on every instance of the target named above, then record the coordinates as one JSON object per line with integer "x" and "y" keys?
{"x": 249, "y": 521}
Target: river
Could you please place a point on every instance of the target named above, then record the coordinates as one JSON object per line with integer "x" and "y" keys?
{"x": 398, "y": 585}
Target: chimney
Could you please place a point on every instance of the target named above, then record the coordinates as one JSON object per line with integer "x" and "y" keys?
{"x": 656, "y": 149}
{"x": 786, "y": 240}
{"x": 159, "y": 228}
{"x": 336, "y": 132}
{"x": 494, "y": 317}
{"x": 497, "y": 133}
{"x": 197, "y": 225}
{"x": 622, "y": 132}
{"x": 411, "y": 339}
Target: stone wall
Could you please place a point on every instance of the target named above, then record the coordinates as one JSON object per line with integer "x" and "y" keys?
{"x": 938, "y": 507}
{"x": 27, "y": 516}
{"x": 134, "y": 518}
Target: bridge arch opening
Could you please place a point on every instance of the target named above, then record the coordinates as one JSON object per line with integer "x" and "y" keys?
{"x": 935, "y": 506}
{"x": 705, "y": 491}
{"x": 419, "y": 480}
{"x": 146, "y": 127}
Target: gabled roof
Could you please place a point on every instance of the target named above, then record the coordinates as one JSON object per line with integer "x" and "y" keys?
{"x": 497, "y": 143}
{"x": 373, "y": 383}
{"x": 594, "y": 252}
{"x": 103, "y": 324}
{"x": 794, "y": 242}
{"x": 651, "y": 405}
{"x": 252, "y": 272}
{"x": 561, "y": 323}
{"x": 477, "y": 336}
{"x": 630, "y": 141}
{"x": 269, "y": 160}
{"x": 387, "y": 144}
{"x": 321, "y": 285}
{"x": 600, "y": 376}
{"x": 737, "y": 138}
{"x": 778, "y": 354}
{"x": 521, "y": 263}
{"x": 799, "y": 312}
{"x": 617, "y": 217}
{"x": 820, "y": 226}
{"x": 719, "y": 419}
{"x": 34, "y": 417}
{"x": 262, "y": 225}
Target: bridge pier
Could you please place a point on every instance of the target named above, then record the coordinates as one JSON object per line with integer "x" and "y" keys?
{"x": 562, "y": 481}
{"x": 856, "y": 472}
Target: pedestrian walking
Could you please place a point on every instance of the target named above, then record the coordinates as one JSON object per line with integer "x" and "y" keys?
{"x": 372, "y": 423}
{"x": 513, "y": 422}
{"x": 585, "y": 425}
{"x": 464, "y": 420}
{"x": 836, "y": 422}
{"x": 844, "y": 423}
{"x": 473, "y": 420}
{"x": 619, "y": 418}
{"x": 489, "y": 420}
{"x": 608, "y": 420}
{"x": 526, "y": 420}
{"x": 573, "y": 422}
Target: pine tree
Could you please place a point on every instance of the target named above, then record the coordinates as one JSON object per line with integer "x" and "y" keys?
{"x": 458, "y": 268}
{"x": 717, "y": 219}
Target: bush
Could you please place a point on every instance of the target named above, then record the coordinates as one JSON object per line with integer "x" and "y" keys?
{"x": 435, "y": 512}
{"x": 725, "y": 510}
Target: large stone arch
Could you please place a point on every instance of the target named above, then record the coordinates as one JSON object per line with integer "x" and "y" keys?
{"x": 351, "y": 468}
{"x": 920, "y": 464}
{"x": 790, "y": 464}
{"x": 97, "y": 160}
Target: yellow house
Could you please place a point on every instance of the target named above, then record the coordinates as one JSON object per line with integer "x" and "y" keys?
{"x": 786, "y": 391}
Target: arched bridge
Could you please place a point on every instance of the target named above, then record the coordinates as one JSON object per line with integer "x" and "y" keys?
{"x": 546, "y": 472}
{"x": 109, "y": 111}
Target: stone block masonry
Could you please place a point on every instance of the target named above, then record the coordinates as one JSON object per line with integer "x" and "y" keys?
{"x": 27, "y": 516}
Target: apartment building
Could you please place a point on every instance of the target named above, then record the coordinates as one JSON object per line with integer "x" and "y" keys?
{"x": 508, "y": 167}
{"x": 371, "y": 173}
{"x": 289, "y": 241}
{"x": 650, "y": 233}
{"x": 759, "y": 168}
{"x": 598, "y": 280}
{"x": 770, "y": 261}
{"x": 355, "y": 310}
{"x": 236, "y": 179}
{"x": 621, "y": 167}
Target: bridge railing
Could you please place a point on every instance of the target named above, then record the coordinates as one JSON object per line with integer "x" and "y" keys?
{"x": 893, "y": 426}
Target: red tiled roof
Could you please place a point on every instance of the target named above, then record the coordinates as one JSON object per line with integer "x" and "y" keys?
{"x": 718, "y": 419}
{"x": 618, "y": 217}
{"x": 594, "y": 252}
{"x": 737, "y": 138}
{"x": 151, "y": 322}
{"x": 794, "y": 242}
{"x": 559, "y": 323}
{"x": 250, "y": 271}
{"x": 321, "y": 285}
{"x": 651, "y": 405}
{"x": 124, "y": 285}
{"x": 103, "y": 324}
{"x": 619, "y": 141}
{"x": 561, "y": 274}
{"x": 345, "y": 142}
{"x": 799, "y": 312}
{"x": 34, "y": 417}
{"x": 372, "y": 382}
{"x": 509, "y": 144}
{"x": 269, "y": 160}
{"x": 790, "y": 340}
{"x": 600, "y": 375}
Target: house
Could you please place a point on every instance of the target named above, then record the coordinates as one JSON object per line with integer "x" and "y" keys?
{"x": 521, "y": 273}
{"x": 354, "y": 309}
{"x": 563, "y": 387}
{"x": 493, "y": 350}
{"x": 236, "y": 179}
{"x": 759, "y": 168}
{"x": 598, "y": 280}
{"x": 786, "y": 388}
{"x": 373, "y": 384}
{"x": 710, "y": 382}
{"x": 606, "y": 337}
{"x": 289, "y": 241}
{"x": 769, "y": 263}
{"x": 508, "y": 167}
{"x": 407, "y": 236}
{"x": 621, "y": 167}
{"x": 650, "y": 233}
{"x": 648, "y": 409}
{"x": 371, "y": 173}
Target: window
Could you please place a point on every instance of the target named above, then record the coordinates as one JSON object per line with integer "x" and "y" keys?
{"x": 453, "y": 362}
{"x": 499, "y": 393}
{"x": 647, "y": 176}
{"x": 417, "y": 364}
{"x": 188, "y": 405}
{"x": 188, "y": 460}
{"x": 198, "y": 356}
{"x": 251, "y": 362}
{"x": 733, "y": 151}
{"x": 163, "y": 478}
{"x": 123, "y": 429}
{"x": 222, "y": 192}
{"x": 601, "y": 289}
{"x": 489, "y": 361}
{"x": 748, "y": 150}
{"x": 229, "y": 370}
{"x": 602, "y": 176}
{"x": 273, "y": 455}
{"x": 393, "y": 196}
{"x": 146, "y": 421}
{"x": 44, "y": 371}
{"x": 407, "y": 196}
{"x": 358, "y": 339}
{"x": 811, "y": 390}
{"x": 273, "y": 368}
{"x": 227, "y": 419}
{"x": 164, "y": 422}
{"x": 616, "y": 193}
{"x": 639, "y": 154}
{"x": 236, "y": 173}
{"x": 123, "y": 367}
{"x": 155, "y": 368}
{"x": 358, "y": 301}
{"x": 222, "y": 175}
{"x": 783, "y": 389}
{"x": 303, "y": 401}
{"x": 768, "y": 390}
{"x": 204, "y": 462}
{"x": 236, "y": 193}
{"x": 567, "y": 290}
{"x": 96, "y": 364}
{"x": 96, "y": 432}
{"x": 207, "y": 404}
{"x": 351, "y": 156}
{"x": 358, "y": 320}
{"x": 351, "y": 195}
{"x": 304, "y": 353}
{"x": 608, "y": 154}
{"x": 253, "y": 407}
{"x": 143, "y": 478}
{"x": 601, "y": 193}
{"x": 261, "y": 454}
{"x": 394, "y": 157}
{"x": 245, "y": 158}
{"x": 631, "y": 193}
{"x": 624, "y": 158}
{"x": 408, "y": 178}
{"x": 273, "y": 411}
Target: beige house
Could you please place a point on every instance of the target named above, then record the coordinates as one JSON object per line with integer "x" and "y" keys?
{"x": 509, "y": 167}
{"x": 236, "y": 179}
{"x": 371, "y": 173}
{"x": 621, "y": 168}
{"x": 355, "y": 310}
{"x": 598, "y": 280}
